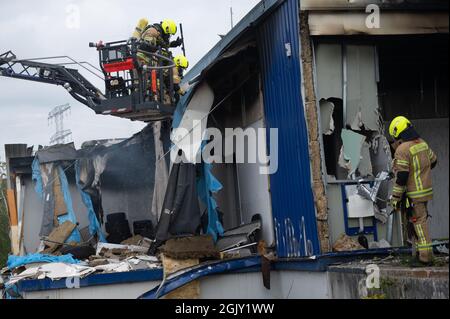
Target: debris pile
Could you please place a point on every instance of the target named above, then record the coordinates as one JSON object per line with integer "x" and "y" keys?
{"x": 346, "y": 243}
{"x": 107, "y": 258}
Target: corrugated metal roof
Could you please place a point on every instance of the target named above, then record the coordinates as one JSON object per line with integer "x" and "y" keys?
{"x": 266, "y": 6}
{"x": 255, "y": 15}
{"x": 250, "y": 20}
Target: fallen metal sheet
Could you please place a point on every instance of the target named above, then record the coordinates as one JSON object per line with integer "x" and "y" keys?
{"x": 56, "y": 271}
{"x": 383, "y": 217}
{"x": 392, "y": 23}
{"x": 247, "y": 229}
{"x": 184, "y": 277}
{"x": 352, "y": 146}
{"x": 233, "y": 241}
{"x": 189, "y": 135}
{"x": 26, "y": 274}
{"x": 326, "y": 116}
{"x": 372, "y": 193}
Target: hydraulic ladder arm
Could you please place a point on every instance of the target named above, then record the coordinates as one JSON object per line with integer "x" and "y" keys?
{"x": 75, "y": 84}
{"x": 133, "y": 91}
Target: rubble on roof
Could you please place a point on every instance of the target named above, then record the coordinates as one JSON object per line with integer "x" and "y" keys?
{"x": 346, "y": 243}
{"x": 107, "y": 258}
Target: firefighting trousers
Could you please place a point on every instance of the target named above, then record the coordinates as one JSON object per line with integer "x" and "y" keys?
{"x": 422, "y": 243}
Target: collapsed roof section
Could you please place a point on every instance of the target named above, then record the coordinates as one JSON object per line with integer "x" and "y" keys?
{"x": 102, "y": 178}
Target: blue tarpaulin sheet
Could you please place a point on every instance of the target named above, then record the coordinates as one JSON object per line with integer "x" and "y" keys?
{"x": 207, "y": 185}
{"x": 70, "y": 216}
{"x": 17, "y": 261}
{"x": 94, "y": 225}
{"x": 37, "y": 178}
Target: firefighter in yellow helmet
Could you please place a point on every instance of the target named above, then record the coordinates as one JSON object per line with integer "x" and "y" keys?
{"x": 413, "y": 162}
{"x": 181, "y": 64}
{"x": 140, "y": 27}
{"x": 154, "y": 36}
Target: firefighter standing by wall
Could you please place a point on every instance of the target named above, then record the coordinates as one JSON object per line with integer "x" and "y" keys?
{"x": 413, "y": 163}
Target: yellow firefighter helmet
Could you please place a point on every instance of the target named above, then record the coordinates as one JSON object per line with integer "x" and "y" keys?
{"x": 169, "y": 27}
{"x": 398, "y": 126}
{"x": 181, "y": 61}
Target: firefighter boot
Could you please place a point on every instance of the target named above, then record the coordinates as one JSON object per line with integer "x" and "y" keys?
{"x": 423, "y": 244}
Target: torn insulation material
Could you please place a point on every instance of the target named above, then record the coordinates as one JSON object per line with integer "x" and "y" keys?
{"x": 351, "y": 151}
{"x": 326, "y": 115}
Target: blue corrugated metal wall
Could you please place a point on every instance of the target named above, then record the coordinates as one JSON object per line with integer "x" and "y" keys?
{"x": 292, "y": 197}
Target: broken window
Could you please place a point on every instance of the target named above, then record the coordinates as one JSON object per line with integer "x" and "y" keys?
{"x": 347, "y": 76}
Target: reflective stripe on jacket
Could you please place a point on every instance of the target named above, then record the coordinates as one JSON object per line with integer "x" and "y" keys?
{"x": 416, "y": 158}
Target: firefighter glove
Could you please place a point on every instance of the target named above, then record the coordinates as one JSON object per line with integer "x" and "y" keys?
{"x": 395, "y": 202}
{"x": 176, "y": 43}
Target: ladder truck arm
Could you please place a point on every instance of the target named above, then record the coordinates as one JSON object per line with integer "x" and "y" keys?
{"x": 75, "y": 84}
{"x": 132, "y": 90}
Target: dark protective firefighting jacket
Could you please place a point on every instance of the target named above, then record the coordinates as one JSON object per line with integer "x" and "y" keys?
{"x": 152, "y": 37}
{"x": 412, "y": 165}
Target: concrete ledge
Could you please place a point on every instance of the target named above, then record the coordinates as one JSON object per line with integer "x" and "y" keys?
{"x": 348, "y": 281}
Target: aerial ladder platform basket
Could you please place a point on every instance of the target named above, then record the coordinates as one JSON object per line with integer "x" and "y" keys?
{"x": 133, "y": 90}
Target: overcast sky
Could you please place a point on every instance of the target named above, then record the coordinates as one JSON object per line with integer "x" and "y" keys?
{"x": 48, "y": 28}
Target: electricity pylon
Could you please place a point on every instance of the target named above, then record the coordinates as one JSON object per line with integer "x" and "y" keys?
{"x": 56, "y": 115}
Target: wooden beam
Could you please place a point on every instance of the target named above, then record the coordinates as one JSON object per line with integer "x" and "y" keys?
{"x": 12, "y": 207}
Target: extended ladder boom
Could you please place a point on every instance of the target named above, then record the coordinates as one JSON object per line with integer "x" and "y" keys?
{"x": 77, "y": 85}
{"x": 133, "y": 90}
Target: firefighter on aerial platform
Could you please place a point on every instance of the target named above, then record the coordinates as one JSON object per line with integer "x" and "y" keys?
{"x": 413, "y": 162}
{"x": 181, "y": 64}
{"x": 154, "y": 38}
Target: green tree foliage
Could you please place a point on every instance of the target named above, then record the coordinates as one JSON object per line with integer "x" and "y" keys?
{"x": 5, "y": 244}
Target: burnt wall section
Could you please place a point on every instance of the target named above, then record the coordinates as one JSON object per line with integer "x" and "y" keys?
{"x": 414, "y": 77}
{"x": 128, "y": 181}
{"x": 320, "y": 198}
